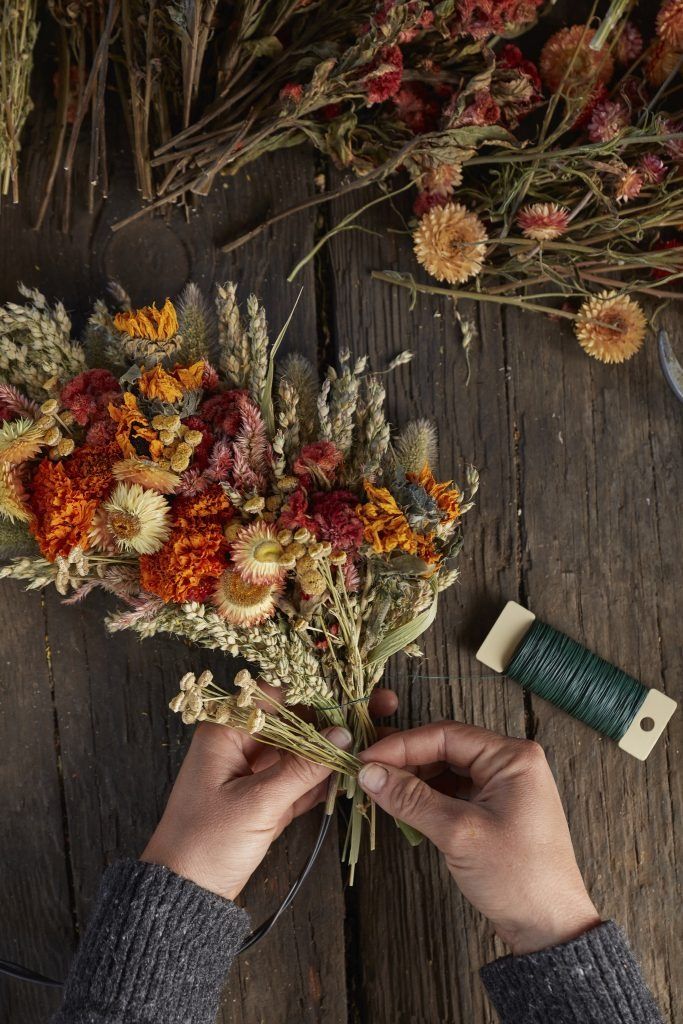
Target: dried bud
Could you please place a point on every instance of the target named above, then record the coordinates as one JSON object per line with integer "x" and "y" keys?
{"x": 243, "y": 678}
{"x": 193, "y": 437}
{"x": 256, "y": 721}
{"x": 302, "y": 536}
{"x": 287, "y": 484}
{"x": 50, "y": 407}
{"x": 45, "y": 422}
{"x": 338, "y": 558}
{"x": 53, "y": 436}
{"x": 187, "y": 681}
{"x": 65, "y": 446}
{"x": 284, "y": 537}
{"x": 255, "y": 504}
{"x": 177, "y": 703}
{"x": 205, "y": 679}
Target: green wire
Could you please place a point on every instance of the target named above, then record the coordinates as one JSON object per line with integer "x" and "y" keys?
{"x": 574, "y": 679}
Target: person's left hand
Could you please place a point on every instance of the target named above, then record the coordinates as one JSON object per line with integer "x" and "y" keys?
{"x": 232, "y": 798}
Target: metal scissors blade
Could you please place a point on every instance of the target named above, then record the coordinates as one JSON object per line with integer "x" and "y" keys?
{"x": 671, "y": 368}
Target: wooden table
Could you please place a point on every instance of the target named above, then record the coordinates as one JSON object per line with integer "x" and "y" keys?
{"x": 579, "y": 515}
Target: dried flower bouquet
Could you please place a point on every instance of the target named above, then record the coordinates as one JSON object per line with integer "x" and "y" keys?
{"x": 230, "y": 499}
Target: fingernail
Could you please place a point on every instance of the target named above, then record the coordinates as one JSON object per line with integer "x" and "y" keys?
{"x": 340, "y": 737}
{"x": 373, "y": 777}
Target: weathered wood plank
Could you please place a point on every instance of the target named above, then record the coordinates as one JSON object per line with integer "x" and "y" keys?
{"x": 428, "y": 969}
{"x": 119, "y": 748}
{"x": 602, "y": 482}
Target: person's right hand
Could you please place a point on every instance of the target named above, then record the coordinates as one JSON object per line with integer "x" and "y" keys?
{"x": 491, "y": 806}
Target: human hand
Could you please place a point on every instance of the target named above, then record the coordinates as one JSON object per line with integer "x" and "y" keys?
{"x": 232, "y": 798}
{"x": 490, "y": 804}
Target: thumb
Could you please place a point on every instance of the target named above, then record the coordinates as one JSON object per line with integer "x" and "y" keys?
{"x": 411, "y": 800}
{"x": 291, "y": 777}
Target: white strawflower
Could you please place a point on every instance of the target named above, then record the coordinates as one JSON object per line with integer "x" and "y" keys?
{"x": 138, "y": 519}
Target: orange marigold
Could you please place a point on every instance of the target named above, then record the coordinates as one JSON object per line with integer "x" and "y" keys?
{"x": 448, "y": 498}
{"x": 149, "y": 322}
{"x": 187, "y": 566}
{"x": 384, "y": 525}
{"x": 62, "y": 514}
{"x": 171, "y": 385}
{"x": 192, "y": 512}
{"x": 132, "y": 425}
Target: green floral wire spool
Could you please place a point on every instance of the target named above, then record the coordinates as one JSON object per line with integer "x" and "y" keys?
{"x": 571, "y": 677}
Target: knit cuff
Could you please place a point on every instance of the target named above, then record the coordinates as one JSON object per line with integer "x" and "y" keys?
{"x": 157, "y": 948}
{"x": 593, "y": 979}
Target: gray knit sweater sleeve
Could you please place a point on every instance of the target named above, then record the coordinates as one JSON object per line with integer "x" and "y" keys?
{"x": 155, "y": 952}
{"x": 592, "y": 980}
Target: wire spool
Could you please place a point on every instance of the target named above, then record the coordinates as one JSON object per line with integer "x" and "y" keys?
{"x": 572, "y": 678}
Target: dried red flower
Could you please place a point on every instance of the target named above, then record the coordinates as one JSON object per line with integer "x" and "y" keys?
{"x": 88, "y": 395}
{"x": 659, "y": 273}
{"x": 382, "y": 76}
{"x": 334, "y": 513}
{"x": 222, "y": 412}
{"x": 319, "y": 459}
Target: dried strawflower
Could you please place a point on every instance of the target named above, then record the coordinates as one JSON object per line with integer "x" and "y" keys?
{"x": 146, "y": 473}
{"x": 149, "y": 322}
{"x": 609, "y": 117}
{"x": 652, "y": 168}
{"x": 137, "y": 518}
{"x": 242, "y": 603}
{"x": 629, "y": 45}
{"x": 450, "y": 243}
{"x": 670, "y": 23}
{"x": 543, "y": 221}
{"x": 568, "y": 61}
{"x": 662, "y": 60}
{"x": 629, "y": 185}
{"x": 257, "y": 554}
{"x": 611, "y": 327}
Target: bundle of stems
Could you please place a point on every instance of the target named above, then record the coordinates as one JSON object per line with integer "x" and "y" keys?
{"x": 18, "y": 33}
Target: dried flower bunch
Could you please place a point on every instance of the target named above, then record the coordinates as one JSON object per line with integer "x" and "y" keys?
{"x": 227, "y": 498}
{"x": 583, "y": 214}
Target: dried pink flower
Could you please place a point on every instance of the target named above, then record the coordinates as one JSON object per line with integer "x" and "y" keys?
{"x": 652, "y": 169}
{"x": 609, "y": 117}
{"x": 543, "y": 221}
{"x": 628, "y": 185}
{"x": 629, "y": 45}
{"x": 670, "y": 23}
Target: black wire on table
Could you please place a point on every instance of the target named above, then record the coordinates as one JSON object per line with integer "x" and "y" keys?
{"x": 18, "y": 971}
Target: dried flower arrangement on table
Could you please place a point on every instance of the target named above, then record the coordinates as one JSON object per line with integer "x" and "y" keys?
{"x": 548, "y": 178}
{"x": 230, "y": 499}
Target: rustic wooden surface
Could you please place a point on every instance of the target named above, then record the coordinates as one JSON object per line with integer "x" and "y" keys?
{"x": 579, "y": 515}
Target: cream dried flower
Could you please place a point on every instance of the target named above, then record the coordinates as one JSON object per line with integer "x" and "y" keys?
{"x": 13, "y": 499}
{"x": 611, "y": 327}
{"x": 629, "y": 185}
{"x": 256, "y": 721}
{"x": 257, "y": 554}
{"x": 543, "y": 221}
{"x": 450, "y": 243}
{"x": 138, "y": 519}
{"x": 242, "y": 603}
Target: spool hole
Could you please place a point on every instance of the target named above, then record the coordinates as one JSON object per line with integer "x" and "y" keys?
{"x": 647, "y": 724}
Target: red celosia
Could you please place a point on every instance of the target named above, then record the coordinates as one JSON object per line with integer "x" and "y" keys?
{"x": 481, "y": 111}
{"x": 334, "y": 513}
{"x": 291, "y": 92}
{"x": 294, "y": 514}
{"x": 210, "y": 378}
{"x": 512, "y": 58}
{"x": 319, "y": 459}
{"x": 222, "y": 412}
{"x": 88, "y": 395}
{"x": 382, "y": 76}
{"x": 101, "y": 433}
{"x": 417, "y": 107}
{"x": 188, "y": 565}
{"x": 483, "y": 18}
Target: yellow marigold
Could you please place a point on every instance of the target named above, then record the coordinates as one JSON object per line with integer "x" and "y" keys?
{"x": 131, "y": 424}
{"x": 450, "y": 243}
{"x": 569, "y": 49}
{"x": 384, "y": 525}
{"x": 149, "y": 322}
{"x": 170, "y": 385}
{"x": 448, "y": 498}
{"x": 611, "y": 327}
